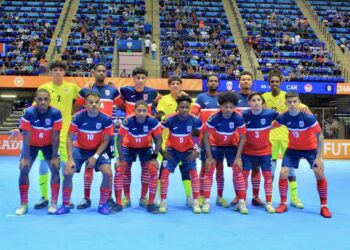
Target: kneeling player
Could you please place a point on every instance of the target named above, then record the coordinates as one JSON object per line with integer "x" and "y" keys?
{"x": 305, "y": 141}
{"x": 219, "y": 141}
{"x": 257, "y": 149}
{"x": 135, "y": 139}
{"x": 41, "y": 126}
{"x": 180, "y": 148}
{"x": 93, "y": 129}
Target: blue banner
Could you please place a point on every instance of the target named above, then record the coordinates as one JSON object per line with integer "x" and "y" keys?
{"x": 129, "y": 45}
{"x": 326, "y": 88}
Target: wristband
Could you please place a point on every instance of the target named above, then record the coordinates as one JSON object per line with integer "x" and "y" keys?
{"x": 96, "y": 156}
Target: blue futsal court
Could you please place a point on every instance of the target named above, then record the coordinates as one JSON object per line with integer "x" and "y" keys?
{"x": 134, "y": 228}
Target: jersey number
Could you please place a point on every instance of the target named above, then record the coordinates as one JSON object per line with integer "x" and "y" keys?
{"x": 41, "y": 135}
{"x": 225, "y": 137}
{"x": 102, "y": 105}
{"x": 90, "y": 137}
{"x": 138, "y": 139}
{"x": 59, "y": 98}
{"x": 181, "y": 139}
{"x": 296, "y": 134}
{"x": 257, "y": 135}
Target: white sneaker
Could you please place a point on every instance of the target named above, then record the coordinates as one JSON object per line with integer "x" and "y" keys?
{"x": 269, "y": 208}
{"x": 23, "y": 209}
{"x": 196, "y": 208}
{"x": 241, "y": 207}
{"x": 189, "y": 201}
{"x": 206, "y": 207}
{"x": 52, "y": 209}
{"x": 163, "y": 208}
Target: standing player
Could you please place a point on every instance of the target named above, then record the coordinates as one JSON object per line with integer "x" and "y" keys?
{"x": 41, "y": 125}
{"x": 206, "y": 105}
{"x": 135, "y": 139}
{"x": 245, "y": 84}
{"x": 220, "y": 142}
{"x": 305, "y": 141}
{"x": 279, "y": 136}
{"x": 93, "y": 130}
{"x": 130, "y": 95}
{"x": 62, "y": 95}
{"x": 180, "y": 148}
{"x": 168, "y": 105}
{"x": 109, "y": 97}
{"x": 257, "y": 149}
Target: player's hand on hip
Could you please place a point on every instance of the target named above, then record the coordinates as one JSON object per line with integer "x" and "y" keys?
{"x": 14, "y": 134}
{"x": 192, "y": 156}
{"x": 91, "y": 162}
{"x": 209, "y": 162}
{"x": 55, "y": 162}
{"x": 238, "y": 163}
{"x": 166, "y": 154}
{"x": 24, "y": 163}
{"x": 69, "y": 169}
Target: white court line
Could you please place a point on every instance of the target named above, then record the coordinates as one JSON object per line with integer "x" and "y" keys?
{"x": 11, "y": 215}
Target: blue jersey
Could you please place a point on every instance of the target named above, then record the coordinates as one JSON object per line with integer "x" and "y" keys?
{"x": 205, "y": 106}
{"x": 90, "y": 130}
{"x": 222, "y": 131}
{"x": 258, "y": 131}
{"x": 131, "y": 96}
{"x": 41, "y": 125}
{"x": 242, "y": 101}
{"x": 180, "y": 132}
{"x": 109, "y": 96}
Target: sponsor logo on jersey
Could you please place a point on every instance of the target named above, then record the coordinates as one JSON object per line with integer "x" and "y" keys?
{"x": 107, "y": 92}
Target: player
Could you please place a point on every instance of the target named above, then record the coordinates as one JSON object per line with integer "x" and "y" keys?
{"x": 135, "y": 139}
{"x": 206, "y": 105}
{"x": 41, "y": 125}
{"x": 257, "y": 149}
{"x": 109, "y": 97}
{"x": 93, "y": 130}
{"x": 168, "y": 105}
{"x": 180, "y": 148}
{"x": 305, "y": 141}
{"x": 130, "y": 95}
{"x": 219, "y": 141}
{"x": 279, "y": 136}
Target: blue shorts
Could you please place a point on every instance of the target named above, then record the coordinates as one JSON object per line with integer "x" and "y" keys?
{"x": 110, "y": 149}
{"x": 130, "y": 154}
{"x": 178, "y": 157}
{"x": 33, "y": 152}
{"x": 250, "y": 161}
{"x": 219, "y": 153}
{"x": 292, "y": 157}
{"x": 80, "y": 156}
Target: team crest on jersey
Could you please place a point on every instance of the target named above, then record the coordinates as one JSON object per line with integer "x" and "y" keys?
{"x": 107, "y": 92}
{"x": 98, "y": 125}
{"x": 47, "y": 122}
{"x": 145, "y": 128}
{"x": 125, "y": 122}
{"x": 145, "y": 97}
{"x": 263, "y": 121}
{"x": 66, "y": 90}
{"x": 301, "y": 124}
{"x": 231, "y": 125}
{"x": 189, "y": 128}
{"x": 229, "y": 85}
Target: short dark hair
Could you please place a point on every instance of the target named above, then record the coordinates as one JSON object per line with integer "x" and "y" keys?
{"x": 139, "y": 70}
{"x": 276, "y": 73}
{"x": 246, "y": 73}
{"x": 140, "y": 102}
{"x": 292, "y": 94}
{"x": 173, "y": 79}
{"x": 93, "y": 93}
{"x": 42, "y": 90}
{"x": 100, "y": 64}
{"x": 251, "y": 95}
{"x": 228, "y": 96}
{"x": 211, "y": 74}
{"x": 182, "y": 98}
{"x": 58, "y": 64}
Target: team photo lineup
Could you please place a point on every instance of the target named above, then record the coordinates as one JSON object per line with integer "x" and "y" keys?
{"x": 69, "y": 130}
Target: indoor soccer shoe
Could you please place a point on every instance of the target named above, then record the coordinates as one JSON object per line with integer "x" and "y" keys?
{"x": 163, "y": 208}
{"x": 241, "y": 207}
{"x": 296, "y": 203}
{"x": 325, "y": 212}
{"x": 23, "y": 209}
{"x": 110, "y": 203}
{"x": 52, "y": 209}
{"x": 269, "y": 208}
{"x": 282, "y": 208}
{"x": 196, "y": 208}
{"x": 63, "y": 210}
{"x": 206, "y": 207}
{"x": 116, "y": 208}
{"x": 103, "y": 209}
{"x": 152, "y": 208}
{"x": 84, "y": 204}
{"x": 201, "y": 201}
{"x": 257, "y": 202}
{"x": 143, "y": 202}
{"x": 220, "y": 201}
{"x": 126, "y": 202}
{"x": 42, "y": 203}
{"x": 234, "y": 202}
{"x": 189, "y": 201}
